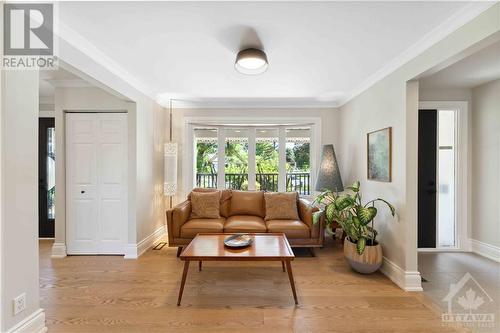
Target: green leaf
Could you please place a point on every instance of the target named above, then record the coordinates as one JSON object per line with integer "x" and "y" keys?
{"x": 343, "y": 202}
{"x": 356, "y": 221}
{"x": 317, "y": 216}
{"x": 366, "y": 215}
{"x": 354, "y": 187}
{"x": 353, "y": 233}
{"x": 330, "y": 212}
{"x": 360, "y": 245}
{"x": 391, "y": 207}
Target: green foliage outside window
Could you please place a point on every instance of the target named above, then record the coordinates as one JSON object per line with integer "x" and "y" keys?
{"x": 266, "y": 157}
{"x": 206, "y": 156}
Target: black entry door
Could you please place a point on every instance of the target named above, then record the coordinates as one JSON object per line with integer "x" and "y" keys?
{"x": 427, "y": 166}
{"x": 46, "y": 177}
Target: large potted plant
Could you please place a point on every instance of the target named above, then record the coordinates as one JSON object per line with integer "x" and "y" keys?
{"x": 361, "y": 248}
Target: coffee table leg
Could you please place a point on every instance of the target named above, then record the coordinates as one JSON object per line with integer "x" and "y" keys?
{"x": 199, "y": 266}
{"x": 283, "y": 265}
{"x": 183, "y": 281}
{"x": 292, "y": 283}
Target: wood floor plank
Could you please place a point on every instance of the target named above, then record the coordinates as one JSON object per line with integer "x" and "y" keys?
{"x": 88, "y": 294}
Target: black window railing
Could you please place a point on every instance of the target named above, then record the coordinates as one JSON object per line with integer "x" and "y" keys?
{"x": 295, "y": 181}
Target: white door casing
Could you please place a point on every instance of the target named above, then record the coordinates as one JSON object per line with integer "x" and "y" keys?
{"x": 96, "y": 183}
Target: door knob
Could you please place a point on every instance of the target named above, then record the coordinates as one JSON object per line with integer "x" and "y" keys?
{"x": 82, "y": 192}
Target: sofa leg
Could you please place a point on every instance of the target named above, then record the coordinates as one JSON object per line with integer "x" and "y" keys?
{"x": 311, "y": 250}
{"x": 179, "y": 250}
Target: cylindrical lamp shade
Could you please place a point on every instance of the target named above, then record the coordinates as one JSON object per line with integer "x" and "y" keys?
{"x": 329, "y": 174}
{"x": 170, "y": 176}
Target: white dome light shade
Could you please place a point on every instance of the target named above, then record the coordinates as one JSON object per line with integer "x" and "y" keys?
{"x": 251, "y": 61}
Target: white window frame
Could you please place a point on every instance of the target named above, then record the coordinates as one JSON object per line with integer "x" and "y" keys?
{"x": 462, "y": 170}
{"x": 190, "y": 123}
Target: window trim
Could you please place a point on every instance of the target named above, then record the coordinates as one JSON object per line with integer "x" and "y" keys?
{"x": 190, "y": 123}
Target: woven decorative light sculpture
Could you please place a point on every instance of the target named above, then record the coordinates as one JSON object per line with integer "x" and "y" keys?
{"x": 329, "y": 173}
{"x": 170, "y": 181}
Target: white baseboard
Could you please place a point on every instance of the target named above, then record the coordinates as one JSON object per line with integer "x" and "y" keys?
{"x": 486, "y": 250}
{"x": 58, "y": 250}
{"x": 406, "y": 280}
{"x": 133, "y": 251}
{"x": 34, "y": 323}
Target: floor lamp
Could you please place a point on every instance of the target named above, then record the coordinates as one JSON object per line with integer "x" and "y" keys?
{"x": 329, "y": 175}
{"x": 170, "y": 155}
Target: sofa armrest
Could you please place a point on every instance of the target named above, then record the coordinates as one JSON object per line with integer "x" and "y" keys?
{"x": 176, "y": 217}
{"x": 306, "y": 212}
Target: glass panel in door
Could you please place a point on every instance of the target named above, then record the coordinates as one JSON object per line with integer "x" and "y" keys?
{"x": 46, "y": 177}
{"x": 206, "y": 157}
{"x": 236, "y": 158}
{"x": 266, "y": 159}
{"x": 446, "y": 178}
{"x": 51, "y": 173}
{"x": 298, "y": 160}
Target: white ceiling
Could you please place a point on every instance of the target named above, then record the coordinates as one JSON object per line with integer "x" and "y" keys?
{"x": 477, "y": 69}
{"x": 320, "y": 53}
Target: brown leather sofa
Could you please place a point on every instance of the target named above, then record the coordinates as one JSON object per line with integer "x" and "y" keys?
{"x": 243, "y": 211}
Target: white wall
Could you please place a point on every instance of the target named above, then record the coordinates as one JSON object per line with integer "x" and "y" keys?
{"x": 328, "y": 116}
{"x": 147, "y": 191}
{"x": 145, "y": 137}
{"x": 432, "y": 93}
{"x": 19, "y": 193}
{"x": 388, "y": 103}
{"x": 485, "y": 117}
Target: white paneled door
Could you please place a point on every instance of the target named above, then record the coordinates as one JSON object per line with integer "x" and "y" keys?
{"x": 96, "y": 183}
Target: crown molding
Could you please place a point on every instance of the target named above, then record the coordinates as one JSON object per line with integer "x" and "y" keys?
{"x": 247, "y": 103}
{"x": 69, "y": 83}
{"x": 455, "y": 21}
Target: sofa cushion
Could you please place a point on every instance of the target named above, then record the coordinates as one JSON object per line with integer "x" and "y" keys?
{"x": 247, "y": 203}
{"x": 205, "y": 205}
{"x": 244, "y": 223}
{"x": 225, "y": 198}
{"x": 291, "y": 228}
{"x": 196, "y": 226}
{"x": 281, "y": 206}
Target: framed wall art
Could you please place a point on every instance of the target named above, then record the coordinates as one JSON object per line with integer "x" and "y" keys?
{"x": 379, "y": 155}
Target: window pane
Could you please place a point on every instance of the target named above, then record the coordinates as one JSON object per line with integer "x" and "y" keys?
{"x": 206, "y": 157}
{"x": 446, "y": 196}
{"x": 51, "y": 172}
{"x": 266, "y": 159}
{"x": 236, "y": 159}
{"x": 298, "y": 160}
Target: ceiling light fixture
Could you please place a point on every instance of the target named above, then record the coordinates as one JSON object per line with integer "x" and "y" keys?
{"x": 251, "y": 61}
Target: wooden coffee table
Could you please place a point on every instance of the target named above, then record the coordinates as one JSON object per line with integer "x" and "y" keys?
{"x": 265, "y": 247}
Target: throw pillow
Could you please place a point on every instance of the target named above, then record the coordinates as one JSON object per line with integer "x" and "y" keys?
{"x": 225, "y": 198}
{"x": 281, "y": 206}
{"x": 247, "y": 203}
{"x": 205, "y": 205}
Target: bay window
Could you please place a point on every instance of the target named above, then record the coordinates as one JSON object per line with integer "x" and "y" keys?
{"x": 253, "y": 157}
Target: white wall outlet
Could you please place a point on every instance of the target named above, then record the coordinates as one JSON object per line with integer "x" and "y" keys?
{"x": 19, "y": 303}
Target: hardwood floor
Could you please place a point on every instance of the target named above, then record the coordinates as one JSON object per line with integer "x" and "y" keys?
{"x": 110, "y": 294}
